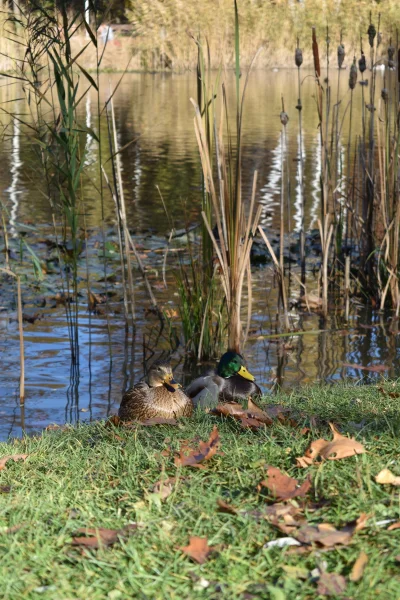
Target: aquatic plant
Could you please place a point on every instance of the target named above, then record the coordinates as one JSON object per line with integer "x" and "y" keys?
{"x": 233, "y": 233}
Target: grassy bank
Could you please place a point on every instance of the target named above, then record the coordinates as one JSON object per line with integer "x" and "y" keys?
{"x": 92, "y": 476}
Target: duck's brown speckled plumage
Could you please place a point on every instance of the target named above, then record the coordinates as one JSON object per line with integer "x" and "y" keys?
{"x": 159, "y": 399}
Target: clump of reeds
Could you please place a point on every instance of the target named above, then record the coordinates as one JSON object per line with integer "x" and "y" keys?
{"x": 233, "y": 234}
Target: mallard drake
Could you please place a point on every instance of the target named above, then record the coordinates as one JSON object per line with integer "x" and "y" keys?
{"x": 160, "y": 396}
{"x": 231, "y": 381}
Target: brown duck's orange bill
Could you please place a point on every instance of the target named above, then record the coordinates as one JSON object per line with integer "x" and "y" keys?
{"x": 243, "y": 372}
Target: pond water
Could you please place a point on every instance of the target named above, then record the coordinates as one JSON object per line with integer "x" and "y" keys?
{"x": 155, "y": 111}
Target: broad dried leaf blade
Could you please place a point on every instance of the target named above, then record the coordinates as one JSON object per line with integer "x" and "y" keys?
{"x": 198, "y": 549}
{"x": 359, "y": 566}
{"x": 14, "y": 457}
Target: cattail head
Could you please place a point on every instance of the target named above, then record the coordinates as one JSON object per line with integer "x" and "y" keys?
{"x": 385, "y": 94}
{"x": 298, "y": 57}
{"x": 340, "y": 55}
{"x": 353, "y": 75}
{"x": 371, "y": 34}
{"x": 362, "y": 63}
{"x": 284, "y": 117}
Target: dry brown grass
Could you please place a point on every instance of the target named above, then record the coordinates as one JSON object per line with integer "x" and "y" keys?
{"x": 160, "y": 39}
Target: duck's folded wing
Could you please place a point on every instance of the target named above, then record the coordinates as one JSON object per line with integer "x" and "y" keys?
{"x": 204, "y": 392}
{"x": 136, "y": 391}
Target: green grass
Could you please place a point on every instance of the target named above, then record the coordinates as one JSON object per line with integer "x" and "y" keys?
{"x": 87, "y": 477}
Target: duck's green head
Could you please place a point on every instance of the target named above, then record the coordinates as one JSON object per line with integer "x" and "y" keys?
{"x": 232, "y": 363}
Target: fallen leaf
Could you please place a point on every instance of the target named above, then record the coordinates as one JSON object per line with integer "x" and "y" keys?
{"x": 340, "y": 447}
{"x": 331, "y": 584}
{"x": 224, "y": 507}
{"x": 253, "y": 419}
{"x": 394, "y": 526}
{"x": 205, "y": 451}
{"x": 55, "y": 427}
{"x": 198, "y": 549}
{"x": 100, "y": 537}
{"x": 386, "y": 476}
{"x": 358, "y": 568}
{"x": 15, "y": 457}
{"x": 164, "y": 487}
{"x": 324, "y": 534}
{"x": 13, "y": 529}
{"x": 296, "y": 572}
{"x": 284, "y": 487}
{"x": 5, "y": 489}
{"x": 158, "y": 421}
{"x": 305, "y": 430}
{"x": 372, "y": 368}
{"x": 113, "y": 421}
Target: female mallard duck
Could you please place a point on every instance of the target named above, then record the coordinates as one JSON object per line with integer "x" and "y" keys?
{"x": 161, "y": 396}
{"x": 231, "y": 381}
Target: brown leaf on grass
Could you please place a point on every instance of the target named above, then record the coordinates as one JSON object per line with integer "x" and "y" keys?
{"x": 331, "y": 584}
{"x": 13, "y": 529}
{"x": 113, "y": 421}
{"x": 284, "y": 487}
{"x": 359, "y": 566}
{"x": 224, "y": 507}
{"x": 158, "y": 421}
{"x": 198, "y": 549}
{"x": 164, "y": 487}
{"x": 15, "y": 457}
{"x": 340, "y": 447}
{"x": 55, "y": 427}
{"x": 100, "y": 537}
{"x": 324, "y": 534}
{"x": 394, "y": 526}
{"x": 386, "y": 477}
{"x": 253, "y": 417}
{"x": 5, "y": 489}
{"x": 372, "y": 368}
{"x": 205, "y": 451}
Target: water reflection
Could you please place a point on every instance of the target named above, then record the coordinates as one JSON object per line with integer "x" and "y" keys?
{"x": 155, "y": 111}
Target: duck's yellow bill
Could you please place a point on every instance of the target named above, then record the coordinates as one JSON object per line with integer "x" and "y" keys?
{"x": 243, "y": 372}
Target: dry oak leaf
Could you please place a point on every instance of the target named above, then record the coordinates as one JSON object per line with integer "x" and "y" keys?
{"x": 386, "y": 476}
{"x": 205, "y": 451}
{"x": 252, "y": 418}
{"x": 359, "y": 566}
{"x": 282, "y": 486}
{"x": 224, "y": 507}
{"x": 394, "y": 526}
{"x": 331, "y": 584}
{"x": 340, "y": 447}
{"x": 158, "y": 421}
{"x": 164, "y": 487}
{"x": 198, "y": 549}
{"x": 15, "y": 457}
{"x": 100, "y": 537}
